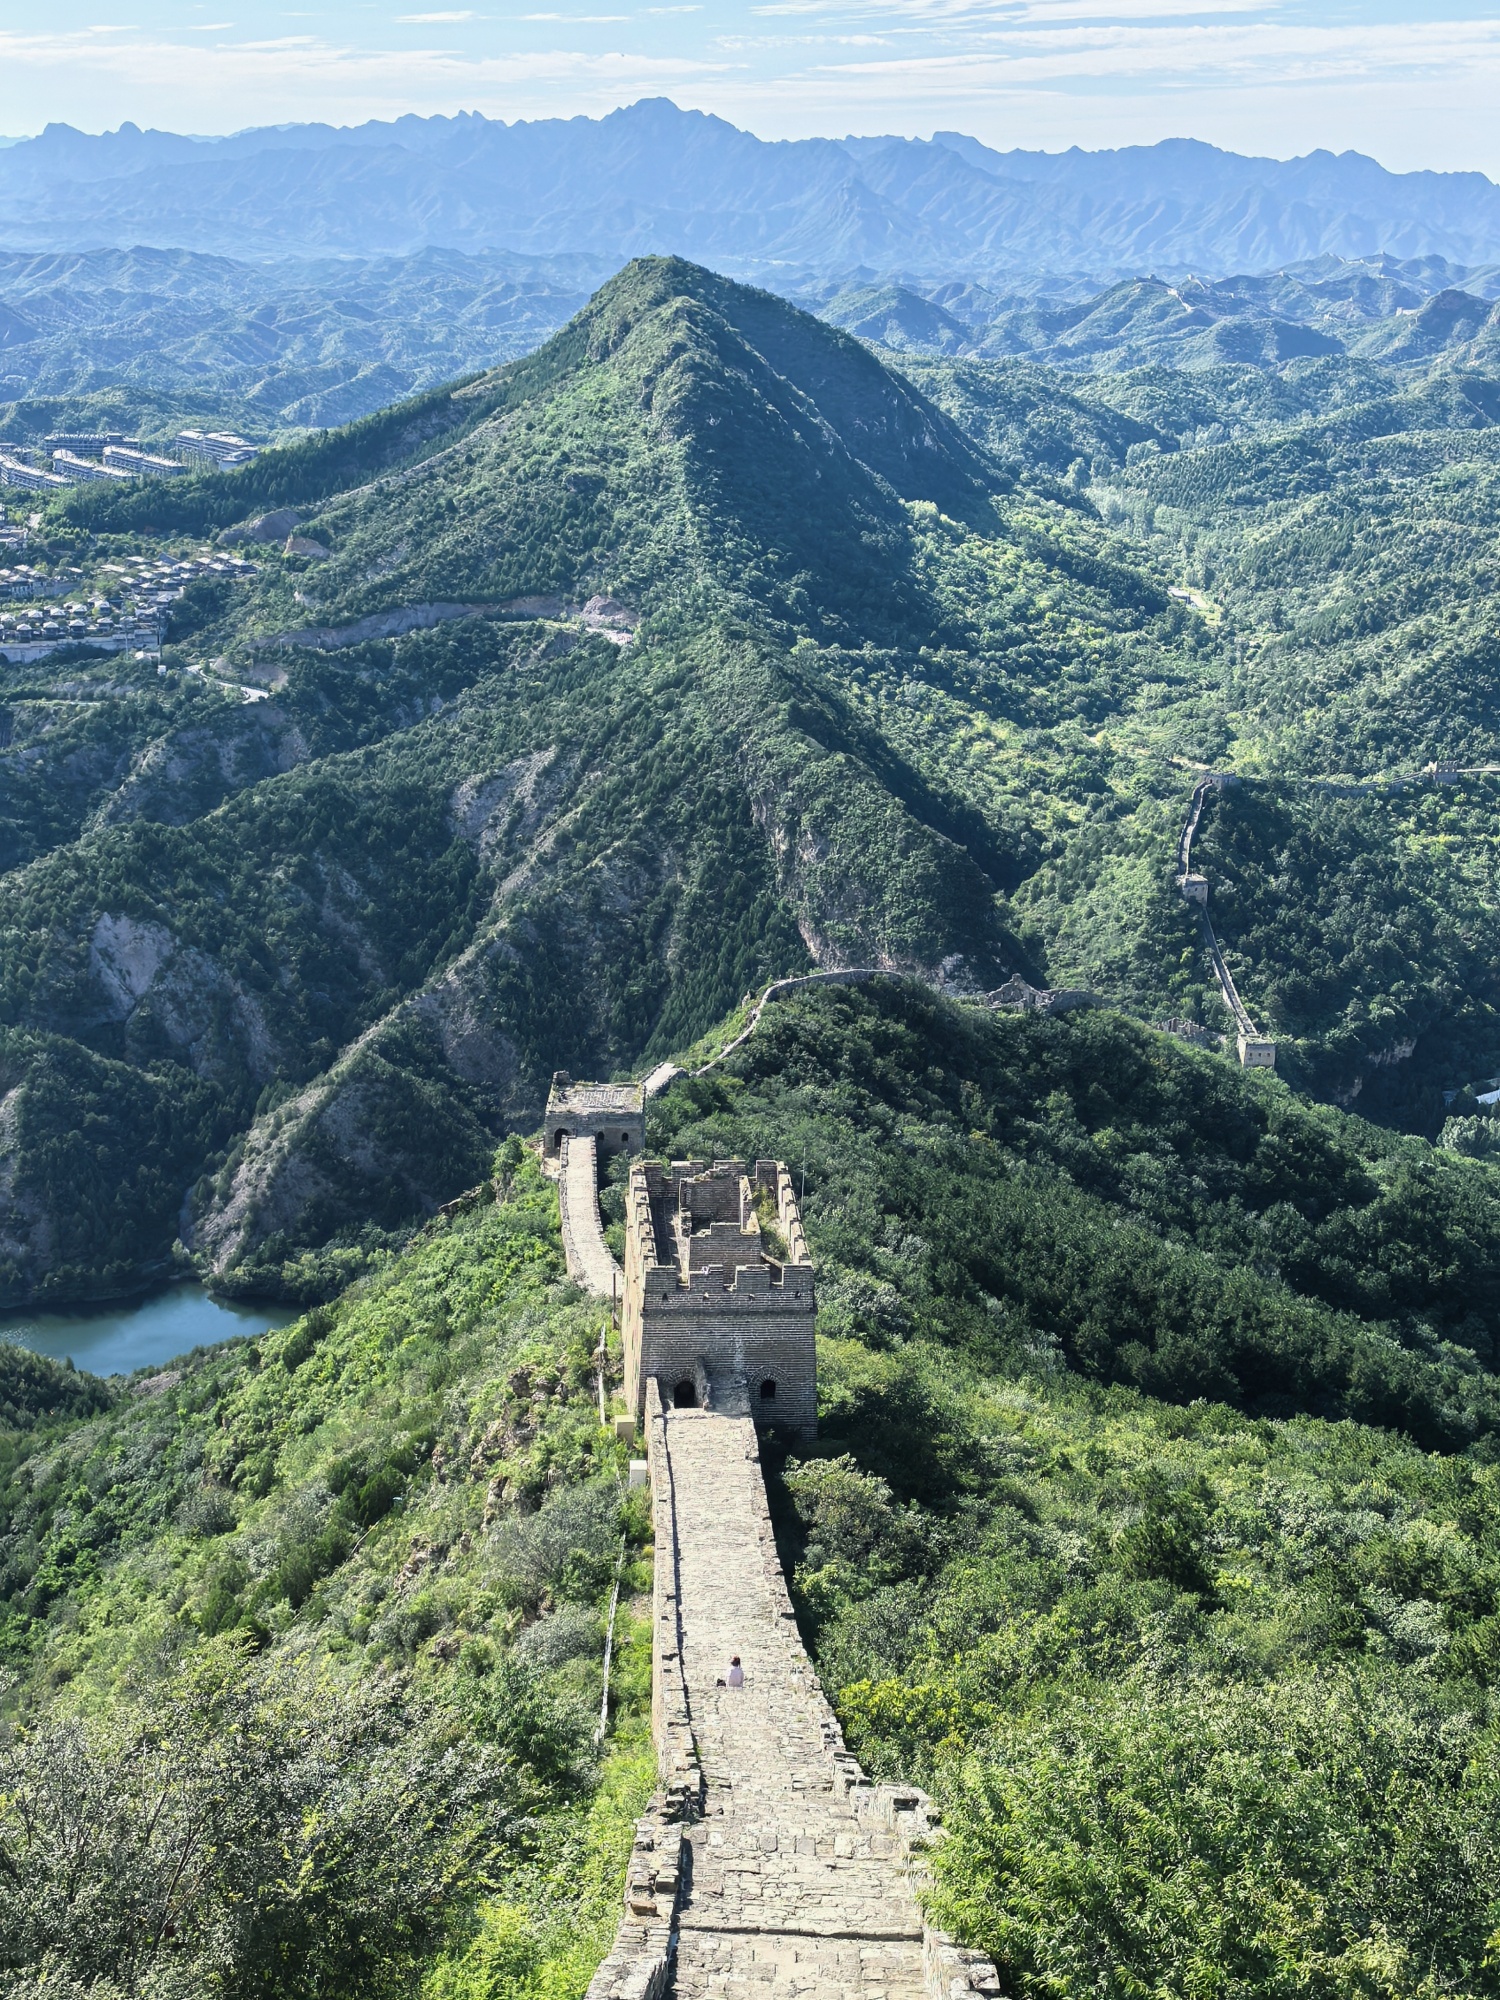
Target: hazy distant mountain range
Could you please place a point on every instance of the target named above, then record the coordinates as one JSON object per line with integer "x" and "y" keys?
{"x": 285, "y": 343}
{"x": 654, "y": 178}
{"x": 365, "y": 264}
{"x": 1403, "y": 314}
{"x": 149, "y": 339}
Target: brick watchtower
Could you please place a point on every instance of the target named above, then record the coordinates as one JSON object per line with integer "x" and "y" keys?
{"x": 719, "y": 1292}
{"x": 613, "y": 1114}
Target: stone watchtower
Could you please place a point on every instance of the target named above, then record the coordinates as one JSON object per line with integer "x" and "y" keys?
{"x": 719, "y": 1292}
{"x": 612, "y": 1114}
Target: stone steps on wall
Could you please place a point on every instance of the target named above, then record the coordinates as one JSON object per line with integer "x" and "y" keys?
{"x": 769, "y": 1866}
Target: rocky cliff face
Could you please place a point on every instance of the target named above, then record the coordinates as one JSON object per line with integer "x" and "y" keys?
{"x": 351, "y": 931}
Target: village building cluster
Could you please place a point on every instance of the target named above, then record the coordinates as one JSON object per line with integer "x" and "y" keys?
{"x": 79, "y": 458}
{"x": 121, "y": 607}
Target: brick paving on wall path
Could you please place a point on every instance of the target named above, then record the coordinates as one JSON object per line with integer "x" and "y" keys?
{"x": 789, "y": 1892}
{"x": 586, "y": 1253}
{"x": 768, "y": 1868}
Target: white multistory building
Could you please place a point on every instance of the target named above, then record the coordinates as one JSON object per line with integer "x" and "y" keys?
{"x": 141, "y": 464}
{"x": 221, "y": 448}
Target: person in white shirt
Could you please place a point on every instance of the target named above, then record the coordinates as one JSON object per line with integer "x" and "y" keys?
{"x": 736, "y": 1673}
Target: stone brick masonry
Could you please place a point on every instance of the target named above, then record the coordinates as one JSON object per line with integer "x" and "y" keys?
{"x": 614, "y": 1114}
{"x": 768, "y": 1868}
{"x": 713, "y": 1301}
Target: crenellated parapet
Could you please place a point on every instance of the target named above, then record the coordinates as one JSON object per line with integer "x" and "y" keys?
{"x": 789, "y": 1215}
{"x": 719, "y": 1298}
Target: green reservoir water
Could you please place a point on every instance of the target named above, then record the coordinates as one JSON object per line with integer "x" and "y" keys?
{"x": 113, "y": 1340}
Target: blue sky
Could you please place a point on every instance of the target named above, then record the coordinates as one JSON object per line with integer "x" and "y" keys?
{"x": 1412, "y": 84}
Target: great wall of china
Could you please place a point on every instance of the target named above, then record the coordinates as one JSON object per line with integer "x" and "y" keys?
{"x": 1256, "y": 1051}
{"x": 768, "y": 1866}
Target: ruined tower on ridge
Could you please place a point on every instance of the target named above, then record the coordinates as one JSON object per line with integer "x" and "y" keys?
{"x": 612, "y": 1114}
{"x": 719, "y": 1292}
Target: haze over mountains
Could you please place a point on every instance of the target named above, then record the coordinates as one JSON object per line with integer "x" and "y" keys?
{"x": 653, "y": 178}
{"x": 289, "y": 343}
{"x": 304, "y": 277}
{"x": 147, "y": 340}
{"x": 539, "y": 719}
{"x": 1403, "y": 313}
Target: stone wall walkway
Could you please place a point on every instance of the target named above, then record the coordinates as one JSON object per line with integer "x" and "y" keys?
{"x": 1230, "y": 992}
{"x": 584, "y": 1249}
{"x": 768, "y": 1867}
{"x": 789, "y": 1890}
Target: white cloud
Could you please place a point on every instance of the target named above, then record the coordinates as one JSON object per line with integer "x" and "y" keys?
{"x": 1127, "y": 10}
{"x": 1412, "y": 94}
{"x": 423, "y": 20}
{"x": 236, "y": 84}
{"x": 740, "y": 44}
{"x": 1047, "y": 73}
{"x": 1008, "y": 13}
{"x": 1272, "y": 53}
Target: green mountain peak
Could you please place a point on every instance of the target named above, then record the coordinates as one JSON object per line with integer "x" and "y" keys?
{"x": 613, "y": 776}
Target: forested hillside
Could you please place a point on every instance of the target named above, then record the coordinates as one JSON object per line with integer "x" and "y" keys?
{"x": 1152, "y": 1520}
{"x": 699, "y": 646}
{"x": 150, "y": 340}
{"x": 547, "y": 712}
{"x": 274, "y": 346}
{"x": 1332, "y": 532}
{"x": 629, "y": 763}
{"x": 304, "y": 1637}
{"x": 1199, "y": 1668}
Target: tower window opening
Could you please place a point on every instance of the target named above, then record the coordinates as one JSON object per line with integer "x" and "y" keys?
{"x": 768, "y": 1391}
{"x": 685, "y": 1396}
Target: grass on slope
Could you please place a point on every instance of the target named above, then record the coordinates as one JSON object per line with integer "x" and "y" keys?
{"x": 1352, "y": 550}
{"x": 313, "y": 1625}
{"x": 1208, "y": 1701}
{"x": 1111, "y": 1535}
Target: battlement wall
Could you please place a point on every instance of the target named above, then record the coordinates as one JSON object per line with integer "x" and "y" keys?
{"x": 768, "y": 1862}
{"x": 715, "y": 1311}
{"x": 1256, "y": 1051}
